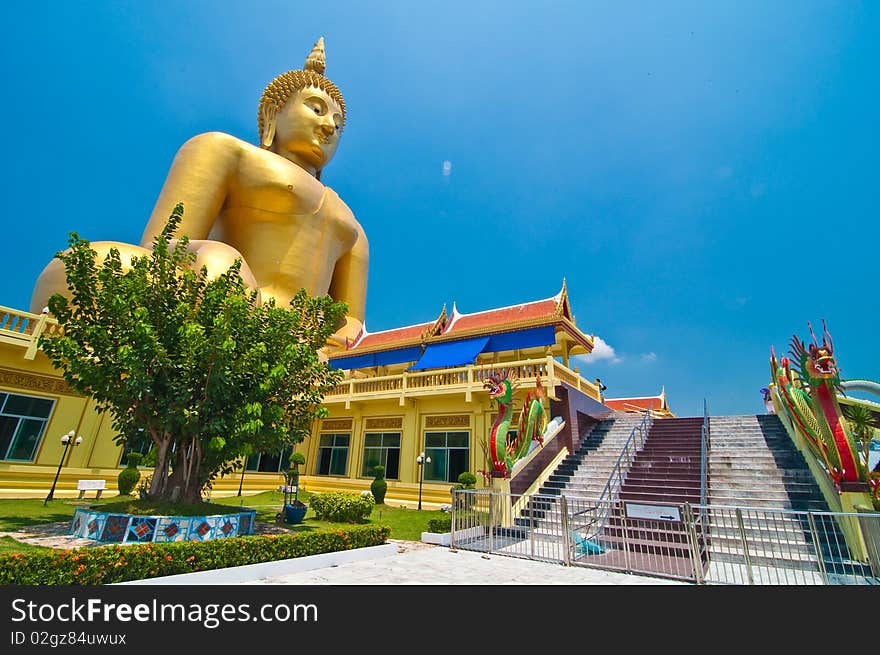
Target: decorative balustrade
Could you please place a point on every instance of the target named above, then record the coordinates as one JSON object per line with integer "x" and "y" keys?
{"x": 467, "y": 379}
{"x": 24, "y": 329}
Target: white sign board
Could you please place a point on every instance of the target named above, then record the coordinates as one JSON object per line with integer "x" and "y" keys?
{"x": 653, "y": 512}
{"x": 82, "y": 485}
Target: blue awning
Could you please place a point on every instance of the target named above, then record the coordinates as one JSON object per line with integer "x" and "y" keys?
{"x": 451, "y": 353}
{"x": 385, "y": 358}
{"x": 532, "y": 338}
{"x": 398, "y": 356}
{"x": 358, "y": 361}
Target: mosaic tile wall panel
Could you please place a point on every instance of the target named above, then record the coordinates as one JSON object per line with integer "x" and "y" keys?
{"x": 202, "y": 528}
{"x": 125, "y": 528}
{"x": 246, "y": 523}
{"x": 87, "y": 524}
{"x": 115, "y": 528}
{"x": 142, "y": 529}
{"x": 173, "y": 528}
{"x": 227, "y": 526}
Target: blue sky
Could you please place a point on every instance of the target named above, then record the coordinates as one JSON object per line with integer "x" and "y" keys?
{"x": 703, "y": 174}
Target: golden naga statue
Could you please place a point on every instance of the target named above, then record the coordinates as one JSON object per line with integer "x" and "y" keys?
{"x": 264, "y": 205}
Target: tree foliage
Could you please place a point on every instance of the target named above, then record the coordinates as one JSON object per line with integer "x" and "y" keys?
{"x": 196, "y": 363}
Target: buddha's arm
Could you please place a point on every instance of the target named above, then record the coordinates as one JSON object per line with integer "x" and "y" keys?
{"x": 349, "y": 285}
{"x": 199, "y": 178}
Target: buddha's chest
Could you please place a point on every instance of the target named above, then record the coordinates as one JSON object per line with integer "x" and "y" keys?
{"x": 271, "y": 191}
{"x": 272, "y": 184}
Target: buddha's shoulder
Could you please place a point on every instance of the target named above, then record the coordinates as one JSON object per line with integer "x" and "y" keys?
{"x": 218, "y": 143}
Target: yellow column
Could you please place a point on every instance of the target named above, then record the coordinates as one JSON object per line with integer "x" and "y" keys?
{"x": 501, "y": 503}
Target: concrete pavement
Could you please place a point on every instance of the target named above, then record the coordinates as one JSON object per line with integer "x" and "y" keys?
{"x": 408, "y": 563}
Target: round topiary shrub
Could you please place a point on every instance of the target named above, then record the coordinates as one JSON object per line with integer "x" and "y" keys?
{"x": 342, "y": 507}
{"x": 379, "y": 486}
{"x": 297, "y": 460}
{"x": 467, "y": 480}
{"x": 129, "y": 476}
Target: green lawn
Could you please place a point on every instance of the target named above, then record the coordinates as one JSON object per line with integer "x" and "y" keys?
{"x": 10, "y": 545}
{"x": 405, "y": 523}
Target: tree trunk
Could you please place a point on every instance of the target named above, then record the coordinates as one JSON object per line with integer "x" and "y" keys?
{"x": 183, "y": 483}
{"x": 160, "y": 473}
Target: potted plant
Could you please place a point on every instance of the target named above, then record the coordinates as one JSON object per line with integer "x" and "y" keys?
{"x": 378, "y": 487}
{"x": 294, "y": 510}
{"x": 466, "y": 480}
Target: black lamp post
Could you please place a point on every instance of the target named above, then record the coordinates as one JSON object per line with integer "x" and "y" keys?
{"x": 67, "y": 440}
{"x": 422, "y": 460}
{"x": 243, "y": 471}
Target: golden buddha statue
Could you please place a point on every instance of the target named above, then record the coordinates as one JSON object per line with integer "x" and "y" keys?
{"x": 264, "y": 205}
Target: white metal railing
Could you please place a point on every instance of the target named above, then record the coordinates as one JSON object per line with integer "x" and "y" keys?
{"x": 705, "y": 445}
{"x": 704, "y": 453}
{"x": 746, "y": 545}
{"x": 468, "y": 378}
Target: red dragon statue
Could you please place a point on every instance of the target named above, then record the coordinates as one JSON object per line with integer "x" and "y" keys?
{"x": 808, "y": 384}
{"x": 505, "y": 451}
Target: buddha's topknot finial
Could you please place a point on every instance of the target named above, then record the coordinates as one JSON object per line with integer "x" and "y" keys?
{"x": 316, "y": 61}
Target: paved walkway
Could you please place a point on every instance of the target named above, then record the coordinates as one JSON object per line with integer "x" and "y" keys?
{"x": 417, "y": 563}
{"x": 405, "y": 563}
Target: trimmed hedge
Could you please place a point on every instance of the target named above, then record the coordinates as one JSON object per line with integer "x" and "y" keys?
{"x": 109, "y": 564}
{"x": 342, "y": 507}
{"x": 440, "y": 525}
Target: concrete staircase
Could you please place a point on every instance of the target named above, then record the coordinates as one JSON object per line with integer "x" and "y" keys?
{"x": 665, "y": 471}
{"x": 583, "y": 473}
{"x": 753, "y": 465}
{"x": 755, "y": 530}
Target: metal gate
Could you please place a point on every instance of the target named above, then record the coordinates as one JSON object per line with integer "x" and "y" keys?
{"x": 700, "y": 543}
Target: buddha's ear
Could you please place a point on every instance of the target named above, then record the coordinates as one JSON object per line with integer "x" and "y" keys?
{"x": 267, "y": 134}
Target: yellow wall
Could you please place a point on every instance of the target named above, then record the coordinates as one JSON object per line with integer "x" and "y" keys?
{"x": 98, "y": 456}
{"x": 415, "y": 417}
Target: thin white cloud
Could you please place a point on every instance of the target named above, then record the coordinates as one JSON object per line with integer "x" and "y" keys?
{"x": 447, "y": 168}
{"x": 649, "y": 357}
{"x": 601, "y": 351}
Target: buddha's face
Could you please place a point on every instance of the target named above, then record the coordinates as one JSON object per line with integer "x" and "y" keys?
{"x": 307, "y": 129}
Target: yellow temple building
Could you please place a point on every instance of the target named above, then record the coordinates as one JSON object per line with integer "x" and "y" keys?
{"x": 407, "y": 391}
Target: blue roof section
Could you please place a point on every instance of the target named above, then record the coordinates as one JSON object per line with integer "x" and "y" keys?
{"x": 532, "y": 338}
{"x": 397, "y": 356}
{"x": 451, "y": 353}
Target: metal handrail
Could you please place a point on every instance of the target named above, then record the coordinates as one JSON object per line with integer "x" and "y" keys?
{"x": 615, "y": 479}
{"x": 705, "y": 444}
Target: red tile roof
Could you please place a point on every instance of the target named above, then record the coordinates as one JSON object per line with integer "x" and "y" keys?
{"x": 630, "y": 404}
{"x": 503, "y": 317}
{"x": 403, "y": 334}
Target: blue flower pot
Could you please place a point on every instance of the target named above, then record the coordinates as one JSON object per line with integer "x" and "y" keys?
{"x": 295, "y": 513}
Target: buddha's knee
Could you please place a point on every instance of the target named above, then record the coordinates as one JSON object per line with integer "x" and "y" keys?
{"x": 217, "y": 257}
{"x": 53, "y": 278}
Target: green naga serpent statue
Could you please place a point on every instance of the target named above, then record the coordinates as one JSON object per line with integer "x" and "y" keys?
{"x": 810, "y": 399}
{"x": 504, "y": 452}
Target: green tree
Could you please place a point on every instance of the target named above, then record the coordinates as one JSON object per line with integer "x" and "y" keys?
{"x": 208, "y": 372}
{"x": 861, "y": 424}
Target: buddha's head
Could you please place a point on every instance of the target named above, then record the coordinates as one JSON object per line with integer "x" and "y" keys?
{"x": 302, "y": 114}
